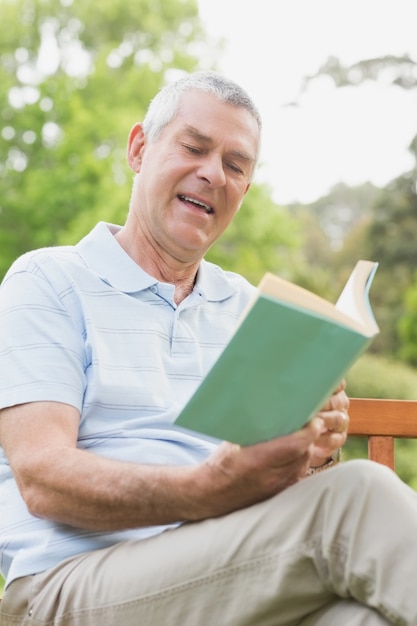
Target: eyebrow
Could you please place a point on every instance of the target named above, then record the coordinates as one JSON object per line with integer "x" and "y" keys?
{"x": 205, "y": 139}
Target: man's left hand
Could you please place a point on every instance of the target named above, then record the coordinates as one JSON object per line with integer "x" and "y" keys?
{"x": 335, "y": 427}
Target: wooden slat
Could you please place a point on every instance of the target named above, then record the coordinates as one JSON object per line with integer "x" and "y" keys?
{"x": 395, "y": 418}
{"x": 381, "y": 450}
{"x": 381, "y": 421}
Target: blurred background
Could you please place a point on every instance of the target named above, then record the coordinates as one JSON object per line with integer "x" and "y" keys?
{"x": 316, "y": 134}
{"x": 336, "y": 84}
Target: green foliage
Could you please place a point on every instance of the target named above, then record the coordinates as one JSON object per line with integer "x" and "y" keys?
{"x": 378, "y": 377}
{"x": 406, "y": 461}
{"x": 333, "y": 237}
{"x": 310, "y": 268}
{"x": 407, "y": 325}
{"x": 343, "y": 209}
{"x": 391, "y": 237}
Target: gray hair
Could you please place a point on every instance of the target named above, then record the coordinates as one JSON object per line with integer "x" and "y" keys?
{"x": 164, "y": 106}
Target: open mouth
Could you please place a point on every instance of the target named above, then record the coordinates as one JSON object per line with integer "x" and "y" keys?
{"x": 200, "y": 205}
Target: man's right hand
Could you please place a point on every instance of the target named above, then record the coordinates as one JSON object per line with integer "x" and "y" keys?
{"x": 234, "y": 477}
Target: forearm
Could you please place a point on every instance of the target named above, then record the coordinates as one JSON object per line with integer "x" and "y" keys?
{"x": 78, "y": 488}
{"x": 61, "y": 482}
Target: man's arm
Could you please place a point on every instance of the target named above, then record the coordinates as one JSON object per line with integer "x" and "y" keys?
{"x": 58, "y": 481}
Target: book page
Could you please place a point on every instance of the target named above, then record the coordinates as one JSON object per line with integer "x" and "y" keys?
{"x": 354, "y": 299}
{"x": 285, "y": 291}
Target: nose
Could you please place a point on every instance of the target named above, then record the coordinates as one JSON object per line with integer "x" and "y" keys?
{"x": 212, "y": 170}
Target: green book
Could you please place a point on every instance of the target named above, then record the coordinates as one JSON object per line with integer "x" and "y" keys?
{"x": 289, "y": 352}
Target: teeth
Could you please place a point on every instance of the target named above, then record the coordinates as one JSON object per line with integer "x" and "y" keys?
{"x": 196, "y": 202}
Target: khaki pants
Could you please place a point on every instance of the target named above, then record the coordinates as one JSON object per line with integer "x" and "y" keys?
{"x": 338, "y": 548}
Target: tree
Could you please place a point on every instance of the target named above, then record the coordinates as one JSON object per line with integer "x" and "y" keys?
{"x": 331, "y": 227}
{"x": 396, "y": 69}
{"x": 391, "y": 232}
{"x": 407, "y": 325}
{"x": 391, "y": 238}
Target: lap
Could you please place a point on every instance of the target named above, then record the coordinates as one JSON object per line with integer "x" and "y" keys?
{"x": 263, "y": 565}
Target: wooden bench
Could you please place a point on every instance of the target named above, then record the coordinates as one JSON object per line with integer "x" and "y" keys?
{"x": 382, "y": 421}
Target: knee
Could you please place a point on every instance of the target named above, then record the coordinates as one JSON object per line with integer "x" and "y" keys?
{"x": 365, "y": 470}
{"x": 366, "y": 476}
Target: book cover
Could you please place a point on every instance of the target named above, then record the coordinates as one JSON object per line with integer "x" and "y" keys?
{"x": 289, "y": 352}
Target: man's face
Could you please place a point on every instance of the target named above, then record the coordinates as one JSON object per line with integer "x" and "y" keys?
{"x": 191, "y": 180}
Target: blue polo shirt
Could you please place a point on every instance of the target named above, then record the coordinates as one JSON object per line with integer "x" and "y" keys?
{"x": 85, "y": 325}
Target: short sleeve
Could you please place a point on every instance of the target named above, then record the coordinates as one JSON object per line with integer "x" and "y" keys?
{"x": 42, "y": 352}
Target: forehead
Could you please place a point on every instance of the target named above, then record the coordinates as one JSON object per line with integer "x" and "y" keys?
{"x": 217, "y": 121}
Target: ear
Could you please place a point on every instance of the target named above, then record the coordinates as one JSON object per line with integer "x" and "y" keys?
{"x": 135, "y": 146}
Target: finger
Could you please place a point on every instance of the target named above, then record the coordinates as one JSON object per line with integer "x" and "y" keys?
{"x": 335, "y": 421}
{"x": 341, "y": 386}
{"x": 331, "y": 441}
{"x": 291, "y": 447}
{"x": 312, "y": 431}
{"x": 327, "y": 446}
{"x": 338, "y": 401}
{"x": 343, "y": 422}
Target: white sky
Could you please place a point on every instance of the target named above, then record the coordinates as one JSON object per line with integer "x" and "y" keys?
{"x": 345, "y": 134}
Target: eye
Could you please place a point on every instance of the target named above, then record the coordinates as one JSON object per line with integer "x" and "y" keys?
{"x": 192, "y": 149}
{"x": 235, "y": 168}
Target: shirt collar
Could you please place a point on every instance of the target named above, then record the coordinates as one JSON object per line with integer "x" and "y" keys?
{"x": 103, "y": 254}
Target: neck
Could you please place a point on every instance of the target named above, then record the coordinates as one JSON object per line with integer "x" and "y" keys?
{"x": 159, "y": 264}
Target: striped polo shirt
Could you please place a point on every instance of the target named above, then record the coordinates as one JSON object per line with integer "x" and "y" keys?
{"x": 86, "y": 326}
